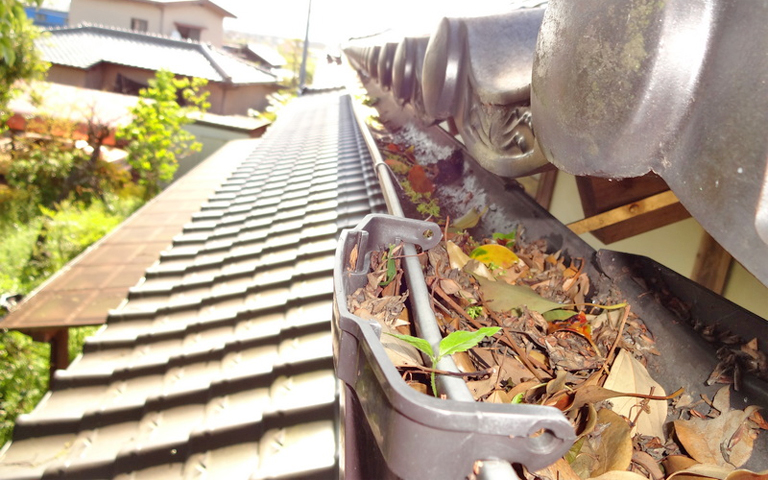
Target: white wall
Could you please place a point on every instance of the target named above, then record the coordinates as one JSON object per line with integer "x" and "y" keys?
{"x": 674, "y": 246}
{"x": 118, "y": 13}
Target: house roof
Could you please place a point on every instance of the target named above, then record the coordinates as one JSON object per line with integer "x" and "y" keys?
{"x": 219, "y": 363}
{"x": 269, "y": 55}
{"x": 86, "y": 45}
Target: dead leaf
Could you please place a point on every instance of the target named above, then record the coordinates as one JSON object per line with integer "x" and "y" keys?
{"x": 418, "y": 386}
{"x": 468, "y": 220}
{"x": 398, "y": 167}
{"x": 713, "y": 472}
{"x": 456, "y": 255}
{"x": 479, "y": 270}
{"x": 586, "y": 421}
{"x": 619, "y": 475}
{"x": 504, "y": 297}
{"x": 747, "y": 475}
{"x": 630, "y": 376}
{"x": 353, "y": 258}
{"x": 725, "y": 441}
{"x": 481, "y": 388}
{"x": 614, "y": 449}
{"x": 676, "y": 463}
{"x": 560, "y": 470}
{"x": 419, "y": 181}
{"x": 499, "y": 396}
{"x": 463, "y": 362}
{"x": 524, "y": 387}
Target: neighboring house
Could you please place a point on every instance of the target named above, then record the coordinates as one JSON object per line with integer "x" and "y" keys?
{"x": 121, "y": 61}
{"x": 265, "y": 57}
{"x": 199, "y": 20}
{"x": 46, "y": 17}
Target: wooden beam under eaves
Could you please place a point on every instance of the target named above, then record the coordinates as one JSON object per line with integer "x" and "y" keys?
{"x": 712, "y": 264}
{"x": 624, "y": 212}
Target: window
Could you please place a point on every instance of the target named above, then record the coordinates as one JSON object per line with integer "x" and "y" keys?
{"x": 139, "y": 25}
{"x": 189, "y": 33}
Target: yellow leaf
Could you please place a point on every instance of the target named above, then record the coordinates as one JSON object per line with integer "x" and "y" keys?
{"x": 495, "y": 256}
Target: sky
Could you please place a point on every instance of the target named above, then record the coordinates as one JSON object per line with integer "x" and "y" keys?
{"x": 334, "y": 21}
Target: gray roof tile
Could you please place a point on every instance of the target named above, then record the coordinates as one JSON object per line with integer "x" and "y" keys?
{"x": 219, "y": 363}
{"x": 84, "y": 46}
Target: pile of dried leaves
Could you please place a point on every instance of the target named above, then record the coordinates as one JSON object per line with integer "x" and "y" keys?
{"x": 553, "y": 348}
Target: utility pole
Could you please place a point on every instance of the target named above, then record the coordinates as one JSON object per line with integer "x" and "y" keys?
{"x": 303, "y": 71}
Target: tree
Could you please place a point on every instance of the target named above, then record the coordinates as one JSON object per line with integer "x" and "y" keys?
{"x": 19, "y": 58}
{"x": 292, "y": 52}
{"x": 155, "y": 136}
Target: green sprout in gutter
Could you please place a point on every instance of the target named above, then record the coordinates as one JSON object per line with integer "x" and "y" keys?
{"x": 474, "y": 311}
{"x": 455, "y": 342}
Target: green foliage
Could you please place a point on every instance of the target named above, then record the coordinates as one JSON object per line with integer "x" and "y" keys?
{"x": 29, "y": 253}
{"x": 425, "y": 203}
{"x": 474, "y": 311}
{"x": 507, "y": 239}
{"x": 33, "y": 249}
{"x": 19, "y": 59}
{"x": 23, "y": 378}
{"x": 155, "y": 137}
{"x": 293, "y": 50}
{"x": 15, "y": 251}
{"x": 276, "y": 101}
{"x": 47, "y": 168}
{"x": 391, "y": 267}
{"x": 455, "y": 342}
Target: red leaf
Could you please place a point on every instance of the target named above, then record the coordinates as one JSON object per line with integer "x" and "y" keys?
{"x": 419, "y": 181}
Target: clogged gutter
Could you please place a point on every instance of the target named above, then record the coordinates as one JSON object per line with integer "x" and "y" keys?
{"x": 551, "y": 346}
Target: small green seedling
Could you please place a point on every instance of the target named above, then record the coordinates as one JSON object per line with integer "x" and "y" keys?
{"x": 455, "y": 342}
{"x": 474, "y": 311}
{"x": 391, "y": 267}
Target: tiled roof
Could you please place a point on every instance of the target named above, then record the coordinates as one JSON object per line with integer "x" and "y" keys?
{"x": 219, "y": 364}
{"x": 268, "y": 54}
{"x": 84, "y": 46}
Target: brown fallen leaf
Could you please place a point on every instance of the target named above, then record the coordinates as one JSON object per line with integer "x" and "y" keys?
{"x": 353, "y": 258}
{"x": 630, "y": 376}
{"x": 499, "y": 396}
{"x": 593, "y": 394}
{"x": 456, "y": 255}
{"x": 614, "y": 451}
{"x": 419, "y": 180}
{"x": 676, "y": 463}
{"x": 504, "y": 297}
{"x": 560, "y": 470}
{"x": 619, "y": 475}
{"x": 607, "y": 448}
{"x": 714, "y": 472}
{"x": 724, "y": 441}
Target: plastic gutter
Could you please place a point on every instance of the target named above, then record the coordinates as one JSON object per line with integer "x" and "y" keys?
{"x": 457, "y": 418}
{"x": 426, "y": 324}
